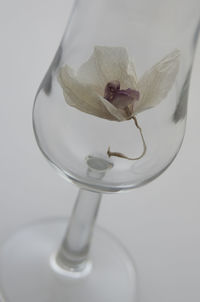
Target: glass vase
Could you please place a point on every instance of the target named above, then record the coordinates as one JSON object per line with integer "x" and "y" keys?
{"x": 109, "y": 116}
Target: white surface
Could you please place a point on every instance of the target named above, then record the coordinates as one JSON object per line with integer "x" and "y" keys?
{"x": 159, "y": 223}
{"x": 112, "y": 279}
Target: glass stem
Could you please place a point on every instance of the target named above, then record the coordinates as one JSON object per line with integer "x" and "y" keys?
{"x": 73, "y": 253}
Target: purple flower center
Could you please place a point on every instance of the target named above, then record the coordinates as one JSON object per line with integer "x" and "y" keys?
{"x": 120, "y": 98}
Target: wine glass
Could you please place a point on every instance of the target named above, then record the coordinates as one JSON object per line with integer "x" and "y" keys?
{"x": 108, "y": 123}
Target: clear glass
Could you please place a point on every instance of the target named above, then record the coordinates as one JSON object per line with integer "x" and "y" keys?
{"x": 68, "y": 267}
{"x": 149, "y": 31}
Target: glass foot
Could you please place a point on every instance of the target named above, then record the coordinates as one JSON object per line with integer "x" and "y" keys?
{"x": 29, "y": 272}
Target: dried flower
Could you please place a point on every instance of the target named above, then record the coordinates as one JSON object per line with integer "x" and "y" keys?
{"x": 107, "y": 86}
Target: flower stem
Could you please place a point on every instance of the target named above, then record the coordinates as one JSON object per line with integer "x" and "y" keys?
{"x": 121, "y": 155}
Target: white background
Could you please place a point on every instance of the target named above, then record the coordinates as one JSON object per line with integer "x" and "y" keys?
{"x": 159, "y": 223}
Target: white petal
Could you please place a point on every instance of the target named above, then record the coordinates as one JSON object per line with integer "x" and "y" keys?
{"x": 82, "y": 96}
{"x": 119, "y": 114}
{"x": 157, "y": 82}
{"x": 108, "y": 64}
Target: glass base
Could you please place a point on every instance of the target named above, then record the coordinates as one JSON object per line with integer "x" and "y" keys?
{"x": 29, "y": 272}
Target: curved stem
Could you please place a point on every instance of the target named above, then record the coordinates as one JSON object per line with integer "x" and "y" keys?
{"x": 121, "y": 155}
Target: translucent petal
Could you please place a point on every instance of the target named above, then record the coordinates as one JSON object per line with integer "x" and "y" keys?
{"x": 108, "y": 64}
{"x": 157, "y": 82}
{"x": 82, "y": 96}
{"x": 119, "y": 114}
